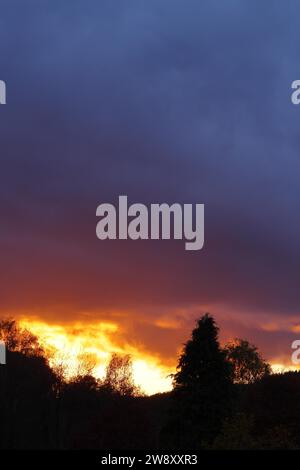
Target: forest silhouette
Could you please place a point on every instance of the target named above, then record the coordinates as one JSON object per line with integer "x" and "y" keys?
{"x": 222, "y": 398}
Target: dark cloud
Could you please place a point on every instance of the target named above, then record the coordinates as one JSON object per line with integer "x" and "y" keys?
{"x": 165, "y": 102}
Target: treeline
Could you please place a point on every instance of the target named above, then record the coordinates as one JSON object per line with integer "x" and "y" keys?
{"x": 222, "y": 398}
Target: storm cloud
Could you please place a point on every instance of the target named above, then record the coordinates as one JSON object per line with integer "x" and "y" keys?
{"x": 169, "y": 101}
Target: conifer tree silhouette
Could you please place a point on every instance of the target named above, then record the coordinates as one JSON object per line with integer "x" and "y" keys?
{"x": 202, "y": 389}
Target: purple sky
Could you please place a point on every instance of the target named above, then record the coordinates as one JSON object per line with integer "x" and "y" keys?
{"x": 165, "y": 101}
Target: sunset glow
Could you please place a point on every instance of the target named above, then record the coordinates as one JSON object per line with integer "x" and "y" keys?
{"x": 281, "y": 368}
{"x": 69, "y": 344}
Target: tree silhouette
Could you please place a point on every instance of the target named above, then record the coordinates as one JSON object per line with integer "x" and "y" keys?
{"x": 201, "y": 388}
{"x": 26, "y": 402}
{"x": 206, "y": 410}
{"x": 247, "y": 363}
{"x": 119, "y": 375}
{"x": 19, "y": 339}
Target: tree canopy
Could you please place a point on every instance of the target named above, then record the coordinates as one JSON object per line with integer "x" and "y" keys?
{"x": 247, "y": 363}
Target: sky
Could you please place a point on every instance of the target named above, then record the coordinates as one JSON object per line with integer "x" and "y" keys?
{"x": 171, "y": 101}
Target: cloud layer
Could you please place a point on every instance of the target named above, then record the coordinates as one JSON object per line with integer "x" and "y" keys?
{"x": 165, "y": 102}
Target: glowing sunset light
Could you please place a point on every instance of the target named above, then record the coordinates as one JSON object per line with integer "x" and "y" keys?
{"x": 281, "y": 368}
{"x": 69, "y": 343}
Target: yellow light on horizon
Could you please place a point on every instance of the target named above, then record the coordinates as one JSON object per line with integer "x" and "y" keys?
{"x": 278, "y": 368}
{"x": 69, "y": 342}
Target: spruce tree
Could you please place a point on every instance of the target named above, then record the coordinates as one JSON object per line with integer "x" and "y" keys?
{"x": 201, "y": 389}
